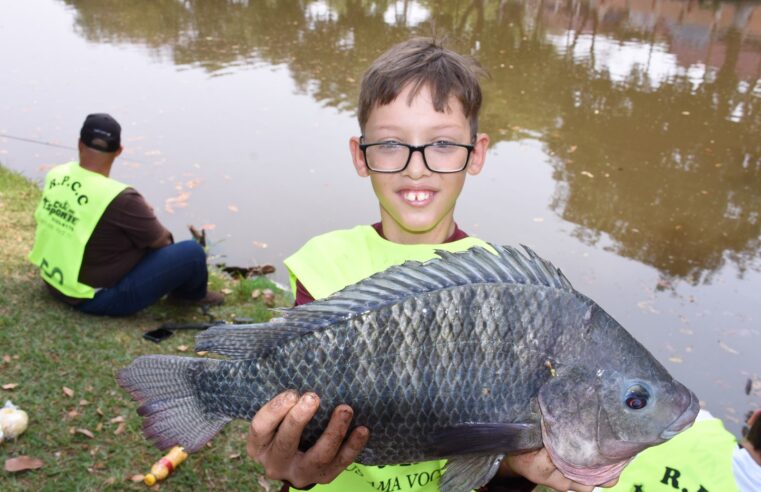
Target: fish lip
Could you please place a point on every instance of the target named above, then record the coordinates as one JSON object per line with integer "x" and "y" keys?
{"x": 685, "y": 420}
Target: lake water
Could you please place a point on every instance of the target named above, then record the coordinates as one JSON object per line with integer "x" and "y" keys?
{"x": 626, "y": 140}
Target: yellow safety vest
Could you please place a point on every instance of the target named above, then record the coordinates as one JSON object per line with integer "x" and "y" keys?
{"x": 696, "y": 460}
{"x": 73, "y": 201}
{"x": 332, "y": 261}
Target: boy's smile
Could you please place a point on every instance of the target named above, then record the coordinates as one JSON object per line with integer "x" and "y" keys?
{"x": 417, "y": 204}
{"x": 417, "y": 197}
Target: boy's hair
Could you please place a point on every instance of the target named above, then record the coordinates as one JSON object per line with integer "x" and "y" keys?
{"x": 422, "y": 62}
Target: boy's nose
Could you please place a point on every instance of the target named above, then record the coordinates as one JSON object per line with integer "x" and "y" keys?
{"x": 416, "y": 169}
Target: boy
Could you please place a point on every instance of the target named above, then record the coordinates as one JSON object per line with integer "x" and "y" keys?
{"x": 418, "y": 113}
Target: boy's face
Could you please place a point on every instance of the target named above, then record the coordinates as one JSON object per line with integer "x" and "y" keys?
{"x": 417, "y": 205}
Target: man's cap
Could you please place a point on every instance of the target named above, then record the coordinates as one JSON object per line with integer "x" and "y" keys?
{"x": 102, "y": 132}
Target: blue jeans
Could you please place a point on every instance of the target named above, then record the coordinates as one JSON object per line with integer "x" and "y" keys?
{"x": 179, "y": 269}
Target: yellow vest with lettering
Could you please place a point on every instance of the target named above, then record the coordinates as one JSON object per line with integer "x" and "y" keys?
{"x": 332, "y": 261}
{"x": 696, "y": 460}
{"x": 73, "y": 201}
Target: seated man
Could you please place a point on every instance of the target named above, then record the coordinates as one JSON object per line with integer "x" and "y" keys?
{"x": 99, "y": 246}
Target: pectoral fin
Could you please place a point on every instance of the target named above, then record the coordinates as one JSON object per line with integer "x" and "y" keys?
{"x": 466, "y": 473}
{"x": 485, "y": 439}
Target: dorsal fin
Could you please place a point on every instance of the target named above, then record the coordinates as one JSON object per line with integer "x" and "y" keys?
{"x": 476, "y": 265}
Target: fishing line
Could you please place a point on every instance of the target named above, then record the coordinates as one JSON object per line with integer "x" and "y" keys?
{"x": 51, "y": 144}
{"x": 39, "y": 142}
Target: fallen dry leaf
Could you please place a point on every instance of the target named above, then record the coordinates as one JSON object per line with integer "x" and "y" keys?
{"x": 202, "y": 352}
{"x": 754, "y": 386}
{"x": 7, "y": 359}
{"x": 136, "y": 478}
{"x": 85, "y": 432}
{"x": 21, "y": 463}
{"x": 179, "y": 201}
{"x": 10, "y": 386}
{"x": 269, "y": 297}
{"x": 264, "y": 484}
{"x": 587, "y": 174}
{"x": 84, "y": 403}
{"x": 227, "y": 291}
{"x": 99, "y": 427}
{"x": 256, "y": 293}
{"x": 117, "y": 420}
{"x": 234, "y": 456}
{"x": 99, "y": 412}
{"x": 647, "y": 306}
{"x": 182, "y": 348}
{"x": 68, "y": 392}
{"x": 729, "y": 349}
{"x": 120, "y": 428}
{"x": 73, "y": 414}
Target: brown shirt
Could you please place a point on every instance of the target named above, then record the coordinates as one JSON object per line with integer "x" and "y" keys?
{"x": 121, "y": 239}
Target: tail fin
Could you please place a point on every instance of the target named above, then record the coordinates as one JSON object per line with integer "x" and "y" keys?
{"x": 174, "y": 415}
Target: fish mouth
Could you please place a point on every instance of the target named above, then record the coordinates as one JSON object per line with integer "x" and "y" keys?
{"x": 687, "y": 417}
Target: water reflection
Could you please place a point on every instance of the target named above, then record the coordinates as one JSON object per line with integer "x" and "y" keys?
{"x": 649, "y": 109}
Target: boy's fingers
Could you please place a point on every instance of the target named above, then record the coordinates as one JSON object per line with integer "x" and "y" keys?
{"x": 267, "y": 419}
{"x": 351, "y": 448}
{"x": 326, "y": 448}
{"x": 286, "y": 441}
{"x": 343, "y": 458}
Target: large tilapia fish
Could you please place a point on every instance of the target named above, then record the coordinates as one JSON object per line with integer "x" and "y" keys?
{"x": 468, "y": 357}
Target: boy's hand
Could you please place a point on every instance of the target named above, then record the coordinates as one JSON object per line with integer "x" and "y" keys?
{"x": 275, "y": 432}
{"x": 537, "y": 467}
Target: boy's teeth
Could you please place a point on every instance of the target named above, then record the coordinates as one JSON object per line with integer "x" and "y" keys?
{"x": 416, "y": 196}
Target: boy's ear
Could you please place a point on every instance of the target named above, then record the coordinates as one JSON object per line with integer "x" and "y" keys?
{"x": 478, "y": 157}
{"x": 358, "y": 158}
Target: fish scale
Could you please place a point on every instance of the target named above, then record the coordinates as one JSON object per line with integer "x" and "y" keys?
{"x": 466, "y": 357}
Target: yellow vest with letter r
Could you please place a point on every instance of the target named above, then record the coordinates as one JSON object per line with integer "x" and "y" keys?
{"x": 327, "y": 264}
{"x": 73, "y": 201}
{"x": 696, "y": 460}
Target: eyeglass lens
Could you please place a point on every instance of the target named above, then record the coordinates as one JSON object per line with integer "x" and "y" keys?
{"x": 394, "y": 157}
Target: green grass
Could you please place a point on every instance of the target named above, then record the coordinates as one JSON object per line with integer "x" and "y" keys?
{"x": 46, "y": 346}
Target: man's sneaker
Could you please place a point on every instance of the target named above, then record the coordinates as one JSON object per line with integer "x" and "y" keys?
{"x": 212, "y": 299}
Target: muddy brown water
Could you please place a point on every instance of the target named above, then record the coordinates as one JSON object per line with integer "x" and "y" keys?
{"x": 626, "y": 140}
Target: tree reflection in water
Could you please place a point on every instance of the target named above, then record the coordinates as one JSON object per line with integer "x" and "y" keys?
{"x": 650, "y": 110}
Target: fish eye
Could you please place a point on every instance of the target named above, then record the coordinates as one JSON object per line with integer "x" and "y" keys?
{"x": 637, "y": 397}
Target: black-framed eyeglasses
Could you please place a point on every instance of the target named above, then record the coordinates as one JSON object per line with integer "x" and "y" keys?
{"x": 394, "y": 157}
